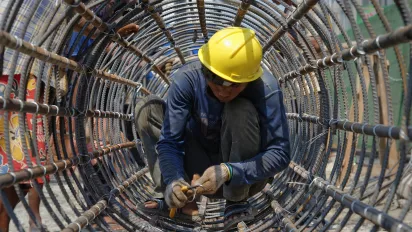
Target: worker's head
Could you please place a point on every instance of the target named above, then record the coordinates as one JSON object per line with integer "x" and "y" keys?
{"x": 231, "y": 59}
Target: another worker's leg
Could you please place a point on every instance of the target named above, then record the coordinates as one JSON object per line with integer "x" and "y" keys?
{"x": 13, "y": 200}
{"x": 149, "y": 115}
{"x": 240, "y": 140}
{"x": 34, "y": 203}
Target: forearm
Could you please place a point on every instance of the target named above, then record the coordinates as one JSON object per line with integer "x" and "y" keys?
{"x": 170, "y": 146}
{"x": 260, "y": 167}
{"x": 170, "y": 162}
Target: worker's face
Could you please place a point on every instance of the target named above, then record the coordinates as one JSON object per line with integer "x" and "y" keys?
{"x": 226, "y": 93}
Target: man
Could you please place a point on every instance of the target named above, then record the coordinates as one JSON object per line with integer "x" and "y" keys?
{"x": 224, "y": 120}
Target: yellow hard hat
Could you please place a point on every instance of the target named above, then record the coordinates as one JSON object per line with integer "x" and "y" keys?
{"x": 234, "y": 54}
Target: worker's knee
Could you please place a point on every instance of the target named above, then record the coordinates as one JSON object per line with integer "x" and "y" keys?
{"x": 240, "y": 193}
{"x": 149, "y": 114}
{"x": 239, "y": 110}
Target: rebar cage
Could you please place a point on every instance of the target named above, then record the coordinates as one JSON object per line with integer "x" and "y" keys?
{"x": 67, "y": 100}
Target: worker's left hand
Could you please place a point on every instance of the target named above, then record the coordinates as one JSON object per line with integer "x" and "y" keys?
{"x": 128, "y": 29}
{"x": 174, "y": 196}
{"x": 212, "y": 179}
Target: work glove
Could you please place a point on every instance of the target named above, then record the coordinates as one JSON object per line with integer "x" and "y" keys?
{"x": 213, "y": 178}
{"x": 174, "y": 196}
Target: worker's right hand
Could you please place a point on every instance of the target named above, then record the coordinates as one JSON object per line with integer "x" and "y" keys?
{"x": 212, "y": 179}
{"x": 174, "y": 196}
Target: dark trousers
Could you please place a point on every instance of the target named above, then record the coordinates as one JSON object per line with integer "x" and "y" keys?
{"x": 240, "y": 141}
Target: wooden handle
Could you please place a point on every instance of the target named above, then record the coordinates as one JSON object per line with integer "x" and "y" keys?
{"x": 184, "y": 189}
{"x": 173, "y": 210}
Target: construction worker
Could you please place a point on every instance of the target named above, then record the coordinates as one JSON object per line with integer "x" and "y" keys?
{"x": 224, "y": 120}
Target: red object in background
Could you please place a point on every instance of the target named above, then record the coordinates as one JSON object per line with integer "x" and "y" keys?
{"x": 19, "y": 158}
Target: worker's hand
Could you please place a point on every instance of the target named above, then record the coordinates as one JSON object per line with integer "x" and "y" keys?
{"x": 194, "y": 179}
{"x": 128, "y": 29}
{"x": 174, "y": 196}
{"x": 212, "y": 179}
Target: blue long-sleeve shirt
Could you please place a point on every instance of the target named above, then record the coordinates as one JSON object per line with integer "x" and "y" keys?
{"x": 190, "y": 106}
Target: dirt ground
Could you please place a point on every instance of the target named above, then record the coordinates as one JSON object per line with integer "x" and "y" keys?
{"x": 47, "y": 220}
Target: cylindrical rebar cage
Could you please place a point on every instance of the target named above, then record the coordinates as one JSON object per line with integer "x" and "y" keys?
{"x": 73, "y": 71}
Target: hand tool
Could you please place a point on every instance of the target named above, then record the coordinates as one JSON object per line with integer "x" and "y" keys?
{"x": 184, "y": 190}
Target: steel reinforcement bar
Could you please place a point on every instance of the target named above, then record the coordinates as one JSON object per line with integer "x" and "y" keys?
{"x": 325, "y": 93}
{"x": 280, "y": 211}
{"x": 17, "y": 105}
{"x": 89, "y": 215}
{"x": 299, "y": 12}
{"x": 86, "y": 13}
{"x": 42, "y": 54}
{"x": 11, "y": 178}
{"x": 370, "y": 46}
{"x": 202, "y": 18}
{"x": 241, "y": 12}
{"x": 379, "y": 130}
{"x": 365, "y": 211}
{"x": 158, "y": 19}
